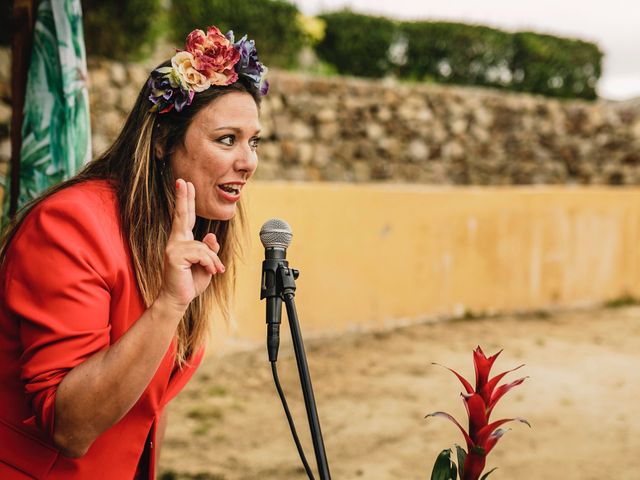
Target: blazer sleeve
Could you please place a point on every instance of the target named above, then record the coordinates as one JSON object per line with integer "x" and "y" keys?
{"x": 57, "y": 289}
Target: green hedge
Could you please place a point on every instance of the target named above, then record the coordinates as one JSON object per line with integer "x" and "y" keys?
{"x": 456, "y": 53}
{"x": 122, "y": 29}
{"x": 354, "y": 44}
{"x": 357, "y": 44}
{"x": 555, "y": 66}
{"x": 462, "y": 54}
{"x": 273, "y": 24}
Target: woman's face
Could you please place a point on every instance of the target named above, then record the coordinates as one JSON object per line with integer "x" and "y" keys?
{"x": 219, "y": 153}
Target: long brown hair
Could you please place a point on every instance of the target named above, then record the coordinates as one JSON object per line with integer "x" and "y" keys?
{"x": 145, "y": 191}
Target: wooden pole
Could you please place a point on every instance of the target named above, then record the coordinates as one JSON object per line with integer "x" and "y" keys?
{"x": 23, "y": 21}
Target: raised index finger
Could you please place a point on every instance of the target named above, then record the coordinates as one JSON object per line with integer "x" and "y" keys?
{"x": 180, "y": 225}
{"x": 191, "y": 205}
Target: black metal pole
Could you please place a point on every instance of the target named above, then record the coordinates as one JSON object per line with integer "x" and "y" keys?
{"x": 305, "y": 379}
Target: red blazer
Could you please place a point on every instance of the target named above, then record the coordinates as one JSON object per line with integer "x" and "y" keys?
{"x": 68, "y": 290}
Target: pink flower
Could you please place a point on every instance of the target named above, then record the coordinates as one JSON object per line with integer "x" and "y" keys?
{"x": 213, "y": 55}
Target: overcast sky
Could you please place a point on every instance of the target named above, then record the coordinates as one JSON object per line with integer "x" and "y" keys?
{"x": 613, "y": 24}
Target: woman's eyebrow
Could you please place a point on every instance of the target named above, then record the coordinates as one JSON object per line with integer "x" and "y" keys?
{"x": 233, "y": 129}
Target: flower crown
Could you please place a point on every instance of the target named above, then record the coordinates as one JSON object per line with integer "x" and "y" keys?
{"x": 208, "y": 59}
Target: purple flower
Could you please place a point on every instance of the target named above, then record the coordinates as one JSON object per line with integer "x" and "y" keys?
{"x": 166, "y": 91}
{"x": 264, "y": 89}
{"x": 248, "y": 65}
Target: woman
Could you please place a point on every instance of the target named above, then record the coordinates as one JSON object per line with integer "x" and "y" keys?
{"x": 108, "y": 280}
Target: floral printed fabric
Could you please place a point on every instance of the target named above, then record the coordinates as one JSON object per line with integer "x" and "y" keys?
{"x": 56, "y": 129}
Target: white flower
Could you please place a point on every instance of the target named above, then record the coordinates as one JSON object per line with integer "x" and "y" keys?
{"x": 182, "y": 63}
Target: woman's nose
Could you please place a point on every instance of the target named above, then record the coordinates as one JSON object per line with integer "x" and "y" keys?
{"x": 246, "y": 160}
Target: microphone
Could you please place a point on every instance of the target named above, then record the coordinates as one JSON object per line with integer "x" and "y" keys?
{"x": 275, "y": 236}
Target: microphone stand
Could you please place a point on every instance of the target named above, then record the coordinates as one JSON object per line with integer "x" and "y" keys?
{"x": 286, "y": 287}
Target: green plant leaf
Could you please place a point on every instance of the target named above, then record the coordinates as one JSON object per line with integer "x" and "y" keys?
{"x": 444, "y": 468}
{"x": 488, "y": 473}
{"x": 462, "y": 454}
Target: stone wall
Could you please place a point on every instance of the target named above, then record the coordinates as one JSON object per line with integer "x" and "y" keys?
{"x": 354, "y": 130}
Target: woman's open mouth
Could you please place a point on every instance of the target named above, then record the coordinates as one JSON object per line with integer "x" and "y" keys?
{"x": 230, "y": 191}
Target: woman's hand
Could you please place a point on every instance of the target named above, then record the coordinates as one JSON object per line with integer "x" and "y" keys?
{"x": 188, "y": 264}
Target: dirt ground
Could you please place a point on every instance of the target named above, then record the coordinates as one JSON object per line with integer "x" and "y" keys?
{"x": 373, "y": 391}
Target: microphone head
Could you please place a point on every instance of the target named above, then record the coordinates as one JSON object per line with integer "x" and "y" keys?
{"x": 275, "y": 233}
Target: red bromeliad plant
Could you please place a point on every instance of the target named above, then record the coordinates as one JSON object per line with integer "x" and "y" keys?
{"x": 482, "y": 435}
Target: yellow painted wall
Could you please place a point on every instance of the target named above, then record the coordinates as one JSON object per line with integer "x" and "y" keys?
{"x": 372, "y": 255}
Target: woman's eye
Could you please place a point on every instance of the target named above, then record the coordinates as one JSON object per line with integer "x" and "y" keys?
{"x": 227, "y": 140}
{"x": 254, "y": 142}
